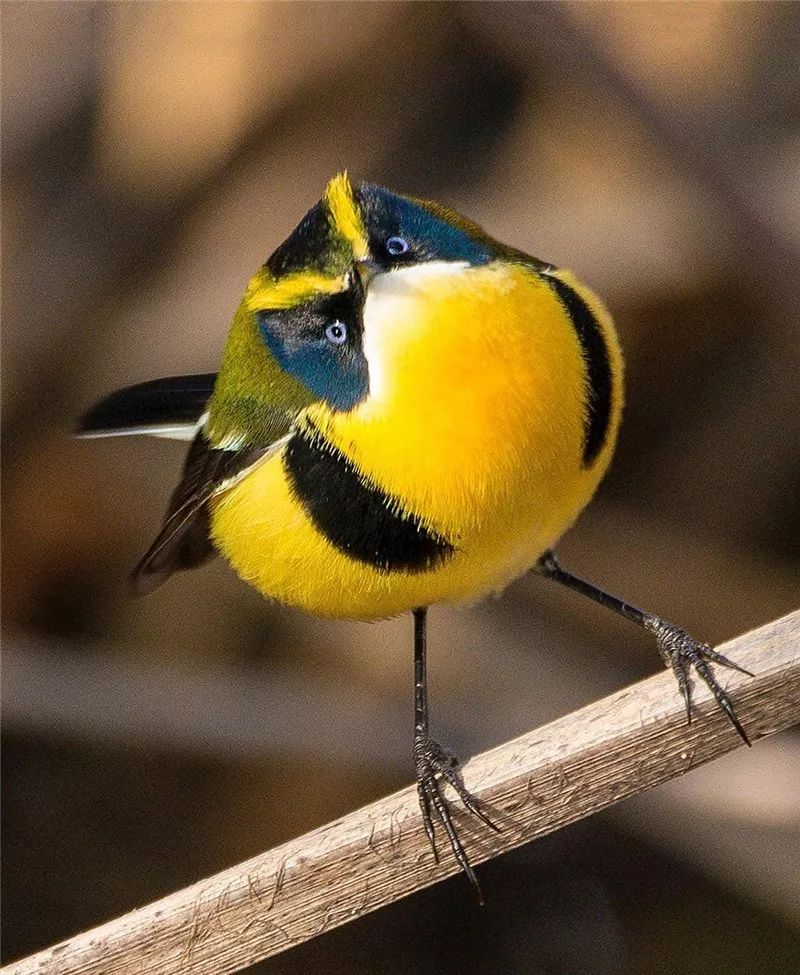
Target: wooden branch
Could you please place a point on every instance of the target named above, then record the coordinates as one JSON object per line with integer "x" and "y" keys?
{"x": 533, "y": 785}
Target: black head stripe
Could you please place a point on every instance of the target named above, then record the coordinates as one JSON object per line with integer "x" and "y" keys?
{"x": 307, "y": 247}
{"x": 598, "y": 367}
{"x": 355, "y": 515}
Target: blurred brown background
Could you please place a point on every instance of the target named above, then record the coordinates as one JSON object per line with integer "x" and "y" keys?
{"x": 154, "y": 154}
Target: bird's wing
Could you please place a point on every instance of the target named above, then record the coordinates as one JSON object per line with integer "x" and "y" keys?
{"x": 172, "y": 407}
{"x": 177, "y": 407}
{"x": 184, "y": 541}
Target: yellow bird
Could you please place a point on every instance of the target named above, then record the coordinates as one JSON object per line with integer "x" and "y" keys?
{"x": 407, "y": 413}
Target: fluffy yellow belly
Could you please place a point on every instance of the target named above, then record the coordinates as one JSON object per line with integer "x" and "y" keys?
{"x": 474, "y": 423}
{"x": 265, "y": 534}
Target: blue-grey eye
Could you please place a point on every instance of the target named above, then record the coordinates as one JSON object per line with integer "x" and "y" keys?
{"x": 336, "y": 333}
{"x": 396, "y": 246}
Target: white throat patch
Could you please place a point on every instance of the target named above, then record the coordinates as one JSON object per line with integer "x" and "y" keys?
{"x": 389, "y": 304}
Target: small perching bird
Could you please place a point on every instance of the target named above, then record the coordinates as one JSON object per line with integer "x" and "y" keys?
{"x": 407, "y": 413}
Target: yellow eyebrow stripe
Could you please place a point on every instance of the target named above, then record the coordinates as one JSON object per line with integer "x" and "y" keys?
{"x": 345, "y": 216}
{"x": 265, "y": 292}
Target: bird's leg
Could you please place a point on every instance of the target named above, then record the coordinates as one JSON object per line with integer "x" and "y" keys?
{"x": 679, "y": 651}
{"x": 433, "y": 763}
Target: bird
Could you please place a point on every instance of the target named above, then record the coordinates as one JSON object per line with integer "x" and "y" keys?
{"x": 408, "y": 413}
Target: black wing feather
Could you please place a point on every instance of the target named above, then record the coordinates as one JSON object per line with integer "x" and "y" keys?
{"x": 176, "y": 406}
{"x": 184, "y": 542}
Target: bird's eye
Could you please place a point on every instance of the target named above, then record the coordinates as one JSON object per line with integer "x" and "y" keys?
{"x": 336, "y": 333}
{"x": 396, "y": 246}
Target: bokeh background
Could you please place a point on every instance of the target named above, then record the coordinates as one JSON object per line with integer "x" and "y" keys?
{"x": 153, "y": 155}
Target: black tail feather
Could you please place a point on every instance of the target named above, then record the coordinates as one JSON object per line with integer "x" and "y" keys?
{"x": 163, "y": 405}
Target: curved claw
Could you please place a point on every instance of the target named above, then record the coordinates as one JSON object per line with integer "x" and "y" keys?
{"x": 456, "y": 845}
{"x": 717, "y": 658}
{"x": 720, "y": 696}
{"x": 427, "y": 822}
{"x": 450, "y": 773}
{"x": 679, "y": 669}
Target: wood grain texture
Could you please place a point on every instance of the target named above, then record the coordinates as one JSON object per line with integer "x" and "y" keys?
{"x": 544, "y": 780}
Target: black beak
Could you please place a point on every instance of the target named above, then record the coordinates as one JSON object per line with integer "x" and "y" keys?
{"x": 366, "y": 271}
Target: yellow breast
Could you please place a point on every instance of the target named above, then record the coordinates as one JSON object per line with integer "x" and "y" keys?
{"x": 475, "y": 423}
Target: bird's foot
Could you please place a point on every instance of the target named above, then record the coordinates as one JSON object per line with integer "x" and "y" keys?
{"x": 433, "y": 763}
{"x": 681, "y": 653}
